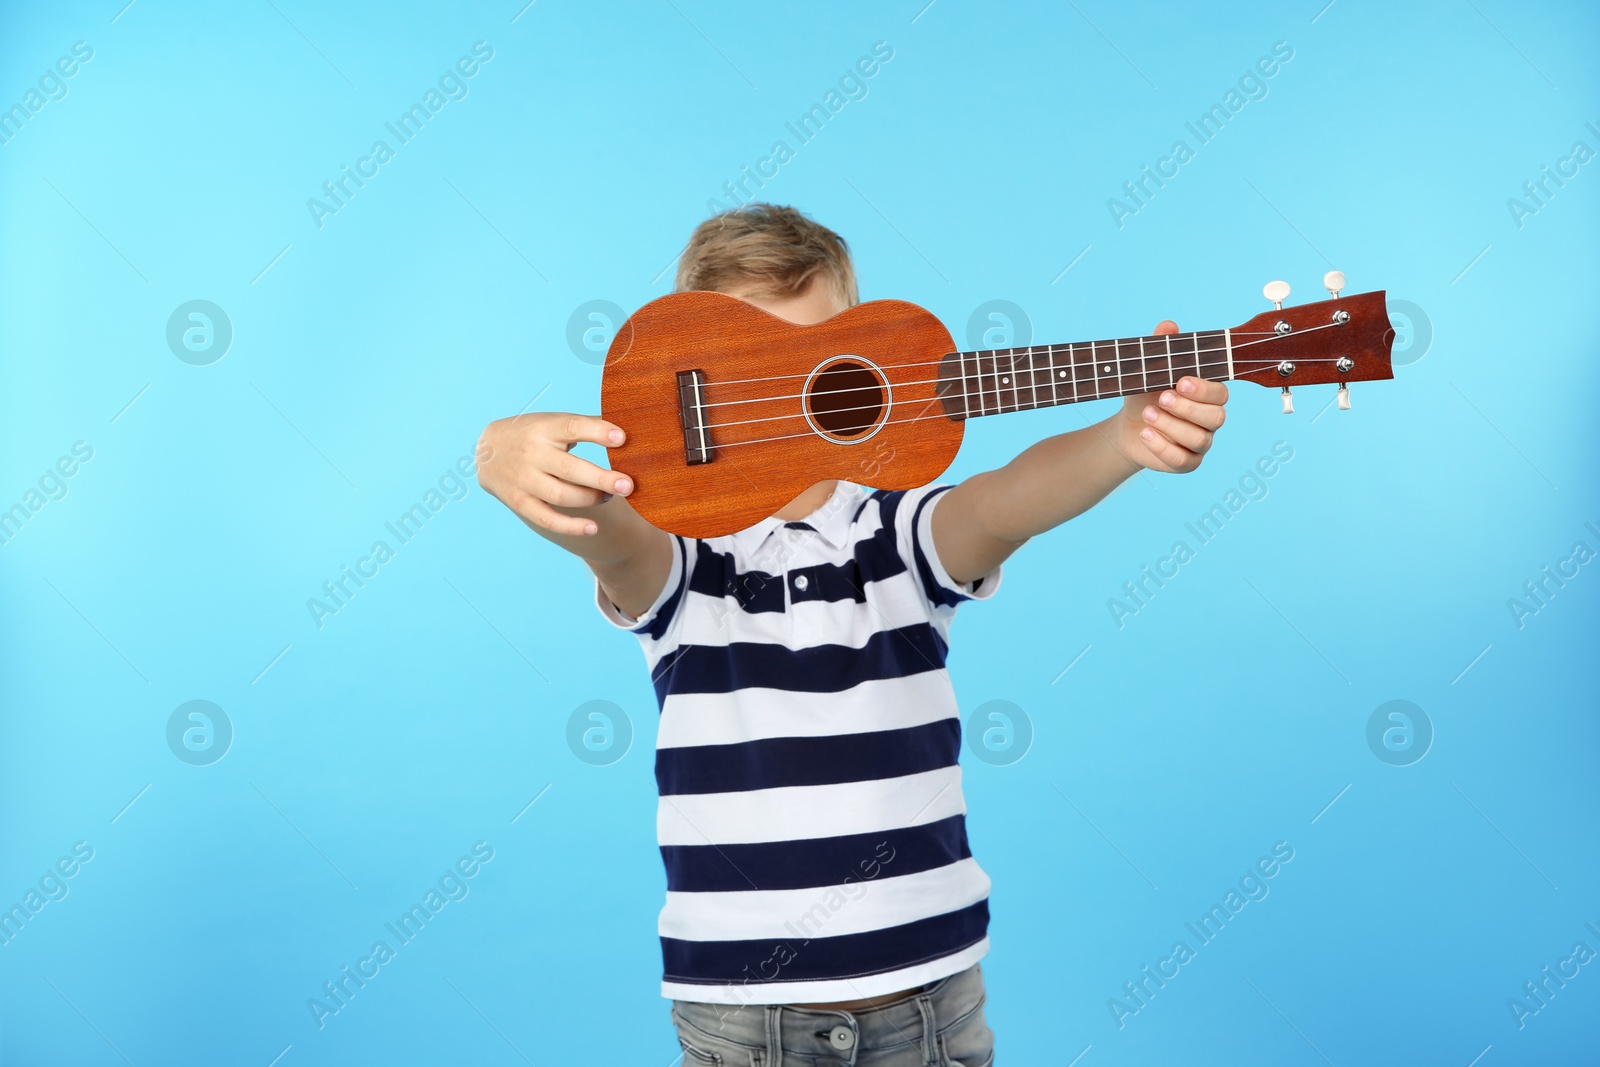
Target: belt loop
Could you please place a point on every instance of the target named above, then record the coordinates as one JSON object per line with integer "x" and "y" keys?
{"x": 774, "y": 1035}
{"x": 930, "y": 1040}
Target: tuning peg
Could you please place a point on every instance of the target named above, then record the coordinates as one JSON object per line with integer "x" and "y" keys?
{"x": 1333, "y": 281}
{"x": 1277, "y": 292}
{"x": 1344, "y": 396}
{"x": 1288, "y": 401}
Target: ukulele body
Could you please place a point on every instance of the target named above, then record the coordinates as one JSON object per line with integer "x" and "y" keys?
{"x": 732, "y": 412}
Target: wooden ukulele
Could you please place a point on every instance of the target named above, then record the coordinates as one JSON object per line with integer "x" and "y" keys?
{"x": 732, "y": 412}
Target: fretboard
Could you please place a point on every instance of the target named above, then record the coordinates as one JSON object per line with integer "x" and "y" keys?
{"x": 1013, "y": 379}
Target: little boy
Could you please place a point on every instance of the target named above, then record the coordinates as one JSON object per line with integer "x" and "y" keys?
{"x": 822, "y": 901}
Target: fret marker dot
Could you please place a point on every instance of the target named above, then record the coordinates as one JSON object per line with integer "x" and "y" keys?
{"x": 1106, "y": 369}
{"x": 1005, "y": 381}
{"x": 1061, "y": 374}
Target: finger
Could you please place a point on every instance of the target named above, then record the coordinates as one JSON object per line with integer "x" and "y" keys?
{"x": 1207, "y": 392}
{"x": 1166, "y": 326}
{"x": 553, "y": 490}
{"x": 570, "y": 429}
{"x": 579, "y": 471}
{"x": 542, "y": 516}
{"x": 1210, "y": 416}
{"x": 1196, "y": 439}
{"x": 1176, "y": 458}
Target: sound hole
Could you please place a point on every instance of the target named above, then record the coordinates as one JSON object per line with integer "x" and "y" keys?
{"x": 845, "y": 399}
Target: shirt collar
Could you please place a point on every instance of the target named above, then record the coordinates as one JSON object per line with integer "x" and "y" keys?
{"x": 831, "y": 520}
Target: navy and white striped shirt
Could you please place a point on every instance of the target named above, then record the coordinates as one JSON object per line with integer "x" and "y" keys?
{"x": 811, "y": 817}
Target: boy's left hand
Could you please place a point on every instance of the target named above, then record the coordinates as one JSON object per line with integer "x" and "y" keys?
{"x": 1170, "y": 430}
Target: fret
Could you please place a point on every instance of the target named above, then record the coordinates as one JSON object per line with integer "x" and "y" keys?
{"x": 1010, "y": 377}
{"x": 1213, "y": 356}
{"x": 1194, "y": 354}
{"x": 1128, "y": 382}
{"x": 1144, "y": 367}
{"x": 1082, "y": 376}
{"x": 1160, "y": 371}
{"x": 1219, "y": 361}
{"x": 1159, "y": 362}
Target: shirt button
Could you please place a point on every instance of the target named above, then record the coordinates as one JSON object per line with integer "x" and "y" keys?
{"x": 841, "y": 1037}
{"x": 800, "y": 581}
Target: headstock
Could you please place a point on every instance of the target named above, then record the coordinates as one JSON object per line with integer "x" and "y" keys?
{"x": 1342, "y": 340}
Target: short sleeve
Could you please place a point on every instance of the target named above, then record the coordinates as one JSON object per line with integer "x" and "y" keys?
{"x": 654, "y": 622}
{"x": 914, "y": 530}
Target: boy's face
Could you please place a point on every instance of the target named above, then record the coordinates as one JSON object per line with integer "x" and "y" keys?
{"x": 817, "y": 302}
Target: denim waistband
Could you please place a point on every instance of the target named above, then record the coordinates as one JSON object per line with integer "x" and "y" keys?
{"x": 814, "y": 1031}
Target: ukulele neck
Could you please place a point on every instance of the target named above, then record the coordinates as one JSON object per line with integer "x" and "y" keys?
{"x": 1013, "y": 379}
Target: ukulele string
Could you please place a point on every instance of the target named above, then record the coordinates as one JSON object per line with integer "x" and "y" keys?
{"x": 998, "y": 390}
{"x": 811, "y": 433}
{"x": 965, "y": 377}
{"x": 1265, "y": 335}
{"x": 871, "y": 407}
{"x": 814, "y": 433}
{"x": 879, "y": 426}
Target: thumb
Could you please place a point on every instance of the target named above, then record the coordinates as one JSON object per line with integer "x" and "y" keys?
{"x": 1166, "y": 326}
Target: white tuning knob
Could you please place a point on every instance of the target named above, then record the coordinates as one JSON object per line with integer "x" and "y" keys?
{"x": 1288, "y": 401}
{"x": 1277, "y": 292}
{"x": 1344, "y": 397}
{"x": 1333, "y": 281}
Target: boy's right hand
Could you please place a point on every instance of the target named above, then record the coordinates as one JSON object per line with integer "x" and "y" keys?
{"x": 526, "y": 463}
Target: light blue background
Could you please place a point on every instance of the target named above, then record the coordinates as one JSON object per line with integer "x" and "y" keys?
{"x": 368, "y": 354}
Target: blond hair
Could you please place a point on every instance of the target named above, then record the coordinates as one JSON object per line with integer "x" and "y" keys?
{"x": 772, "y": 250}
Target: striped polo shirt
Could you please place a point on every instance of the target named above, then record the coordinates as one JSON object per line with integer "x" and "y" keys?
{"x": 810, "y": 814}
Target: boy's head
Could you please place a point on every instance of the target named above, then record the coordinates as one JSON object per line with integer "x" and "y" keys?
{"x": 769, "y": 255}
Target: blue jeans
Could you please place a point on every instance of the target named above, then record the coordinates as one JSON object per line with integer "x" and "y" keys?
{"x": 941, "y": 1026}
